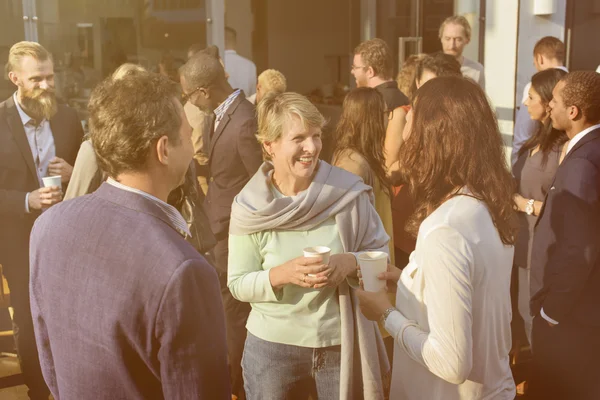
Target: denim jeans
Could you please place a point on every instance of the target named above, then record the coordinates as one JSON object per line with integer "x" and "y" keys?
{"x": 274, "y": 371}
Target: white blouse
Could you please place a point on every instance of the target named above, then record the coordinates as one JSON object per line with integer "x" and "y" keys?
{"x": 452, "y": 330}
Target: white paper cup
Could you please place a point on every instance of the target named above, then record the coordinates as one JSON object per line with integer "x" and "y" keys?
{"x": 318, "y": 251}
{"x": 52, "y": 181}
{"x": 372, "y": 264}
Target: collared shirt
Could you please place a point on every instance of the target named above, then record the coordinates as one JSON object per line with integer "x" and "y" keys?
{"x": 224, "y": 106}
{"x": 572, "y": 144}
{"x": 171, "y": 212}
{"x": 242, "y": 72}
{"x": 580, "y": 136}
{"x": 41, "y": 141}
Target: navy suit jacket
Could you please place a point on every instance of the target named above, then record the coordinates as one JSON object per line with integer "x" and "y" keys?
{"x": 123, "y": 306}
{"x": 566, "y": 246}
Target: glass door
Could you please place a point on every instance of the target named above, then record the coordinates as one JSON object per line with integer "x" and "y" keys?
{"x": 89, "y": 39}
{"x": 412, "y": 26}
{"x": 30, "y": 20}
{"x": 12, "y": 30}
{"x": 400, "y": 25}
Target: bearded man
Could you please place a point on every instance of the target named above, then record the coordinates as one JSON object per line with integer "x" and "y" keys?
{"x": 38, "y": 138}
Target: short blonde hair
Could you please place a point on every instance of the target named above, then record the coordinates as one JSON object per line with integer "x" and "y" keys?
{"x": 276, "y": 109}
{"x": 23, "y": 49}
{"x": 457, "y": 20}
{"x": 272, "y": 80}
{"x": 127, "y": 69}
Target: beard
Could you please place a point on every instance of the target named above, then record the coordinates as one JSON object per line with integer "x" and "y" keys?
{"x": 39, "y": 103}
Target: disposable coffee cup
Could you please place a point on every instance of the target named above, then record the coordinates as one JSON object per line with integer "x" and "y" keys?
{"x": 318, "y": 251}
{"x": 52, "y": 181}
{"x": 372, "y": 264}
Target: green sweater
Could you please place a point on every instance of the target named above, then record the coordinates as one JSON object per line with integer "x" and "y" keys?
{"x": 293, "y": 315}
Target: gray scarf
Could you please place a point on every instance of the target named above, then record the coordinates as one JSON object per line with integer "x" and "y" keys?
{"x": 334, "y": 192}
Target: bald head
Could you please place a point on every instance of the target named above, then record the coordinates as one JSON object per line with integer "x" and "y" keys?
{"x": 203, "y": 70}
{"x": 204, "y": 81}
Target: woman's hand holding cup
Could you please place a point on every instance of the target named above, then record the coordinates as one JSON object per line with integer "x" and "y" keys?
{"x": 340, "y": 267}
{"x": 301, "y": 271}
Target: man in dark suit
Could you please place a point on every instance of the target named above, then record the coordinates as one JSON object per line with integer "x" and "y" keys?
{"x": 234, "y": 156}
{"x": 566, "y": 252}
{"x": 38, "y": 138}
{"x": 123, "y": 306}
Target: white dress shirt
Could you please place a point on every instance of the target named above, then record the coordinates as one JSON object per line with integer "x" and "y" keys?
{"x": 452, "y": 328}
{"x": 580, "y": 136}
{"x": 242, "y": 72}
{"x": 41, "y": 143}
{"x": 171, "y": 212}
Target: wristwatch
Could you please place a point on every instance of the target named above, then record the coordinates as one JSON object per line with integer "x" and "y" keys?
{"x": 529, "y": 207}
{"x": 386, "y": 314}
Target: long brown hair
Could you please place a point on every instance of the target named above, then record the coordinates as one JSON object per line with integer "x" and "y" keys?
{"x": 455, "y": 142}
{"x": 545, "y": 136}
{"x": 362, "y": 128}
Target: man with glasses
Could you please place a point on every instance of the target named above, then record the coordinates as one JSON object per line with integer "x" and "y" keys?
{"x": 234, "y": 156}
{"x": 373, "y": 67}
{"x": 201, "y": 123}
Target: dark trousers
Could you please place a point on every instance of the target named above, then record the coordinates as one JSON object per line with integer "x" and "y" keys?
{"x": 566, "y": 361}
{"x": 18, "y": 283}
{"x": 236, "y": 315}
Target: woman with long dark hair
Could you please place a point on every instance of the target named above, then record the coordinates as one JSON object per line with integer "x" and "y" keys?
{"x": 451, "y": 323}
{"x": 359, "y": 140}
{"x": 534, "y": 172}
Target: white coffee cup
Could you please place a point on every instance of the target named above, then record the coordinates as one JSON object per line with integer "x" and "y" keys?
{"x": 318, "y": 251}
{"x": 52, "y": 181}
{"x": 372, "y": 264}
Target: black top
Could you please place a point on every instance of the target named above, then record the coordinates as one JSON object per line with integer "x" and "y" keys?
{"x": 392, "y": 96}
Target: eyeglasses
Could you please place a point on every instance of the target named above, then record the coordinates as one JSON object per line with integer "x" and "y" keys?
{"x": 357, "y": 67}
{"x": 185, "y": 97}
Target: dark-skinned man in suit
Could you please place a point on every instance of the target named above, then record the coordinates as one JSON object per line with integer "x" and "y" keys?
{"x": 234, "y": 157}
{"x": 566, "y": 252}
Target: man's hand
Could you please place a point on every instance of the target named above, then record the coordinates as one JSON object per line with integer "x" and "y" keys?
{"x": 44, "y": 197}
{"x": 58, "y": 166}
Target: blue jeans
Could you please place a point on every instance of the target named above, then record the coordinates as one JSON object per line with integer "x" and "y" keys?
{"x": 274, "y": 371}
